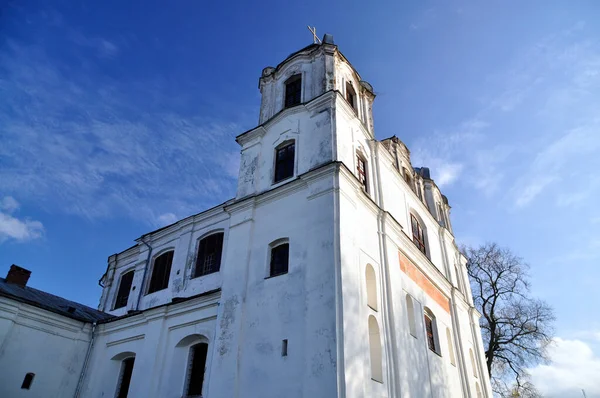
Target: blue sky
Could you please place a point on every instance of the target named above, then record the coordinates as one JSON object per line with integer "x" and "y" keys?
{"x": 119, "y": 117}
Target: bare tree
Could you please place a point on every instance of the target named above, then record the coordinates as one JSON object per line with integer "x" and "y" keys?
{"x": 516, "y": 327}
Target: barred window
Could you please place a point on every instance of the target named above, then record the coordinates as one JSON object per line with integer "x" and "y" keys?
{"x": 195, "y": 370}
{"x": 418, "y": 234}
{"x": 284, "y": 161}
{"x": 293, "y": 91}
{"x": 161, "y": 272}
{"x": 429, "y": 330}
{"x": 361, "y": 168}
{"x": 125, "y": 377}
{"x": 210, "y": 251}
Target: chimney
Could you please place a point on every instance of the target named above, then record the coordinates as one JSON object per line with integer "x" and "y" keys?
{"x": 18, "y": 276}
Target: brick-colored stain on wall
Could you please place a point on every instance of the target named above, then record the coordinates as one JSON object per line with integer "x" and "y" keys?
{"x": 423, "y": 282}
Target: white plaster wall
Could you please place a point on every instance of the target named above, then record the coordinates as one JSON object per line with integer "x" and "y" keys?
{"x": 152, "y": 336}
{"x": 37, "y": 341}
{"x": 259, "y": 312}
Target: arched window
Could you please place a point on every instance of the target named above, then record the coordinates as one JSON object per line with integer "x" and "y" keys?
{"x": 27, "y": 380}
{"x": 431, "y": 330}
{"x": 418, "y": 234}
{"x": 125, "y": 377}
{"x": 124, "y": 289}
{"x": 351, "y": 95}
{"x": 371, "y": 281}
{"x": 284, "y": 161}
{"x": 408, "y": 178}
{"x": 293, "y": 90}
{"x": 440, "y": 216}
{"x": 161, "y": 270}
{"x": 473, "y": 362}
{"x": 450, "y": 347}
{"x": 280, "y": 257}
{"x": 410, "y": 311}
{"x": 210, "y": 251}
{"x": 361, "y": 169}
{"x": 195, "y": 370}
{"x": 375, "y": 350}
{"x": 458, "y": 278}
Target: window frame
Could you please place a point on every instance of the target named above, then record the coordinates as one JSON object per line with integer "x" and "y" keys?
{"x": 117, "y": 304}
{"x": 272, "y": 248}
{"x": 292, "y": 98}
{"x": 362, "y": 173}
{"x": 431, "y": 333}
{"x": 351, "y": 96}
{"x": 219, "y": 259}
{"x": 166, "y": 274}
{"x": 287, "y": 164}
{"x": 189, "y": 374}
{"x": 122, "y": 373}
{"x": 419, "y": 236}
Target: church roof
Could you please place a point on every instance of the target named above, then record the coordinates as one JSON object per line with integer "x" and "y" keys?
{"x": 51, "y": 302}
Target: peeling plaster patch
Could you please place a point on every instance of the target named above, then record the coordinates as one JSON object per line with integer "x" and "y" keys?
{"x": 177, "y": 285}
{"x": 227, "y": 320}
{"x": 250, "y": 167}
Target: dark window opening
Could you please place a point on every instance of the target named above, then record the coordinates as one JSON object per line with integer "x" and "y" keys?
{"x": 293, "y": 91}
{"x": 195, "y": 371}
{"x": 284, "y": 348}
{"x": 361, "y": 166}
{"x": 284, "y": 162}
{"x": 418, "y": 234}
{"x": 351, "y": 95}
{"x": 161, "y": 272}
{"x": 27, "y": 380}
{"x": 210, "y": 251}
{"x": 279, "y": 259}
{"x": 124, "y": 289}
{"x": 429, "y": 330}
{"x": 125, "y": 377}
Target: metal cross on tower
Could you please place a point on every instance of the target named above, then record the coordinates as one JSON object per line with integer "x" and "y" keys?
{"x": 313, "y": 30}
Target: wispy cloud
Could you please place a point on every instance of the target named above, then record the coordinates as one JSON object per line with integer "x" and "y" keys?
{"x": 99, "y": 148}
{"x": 550, "y": 89}
{"x": 13, "y": 228}
{"x": 558, "y": 160}
{"x": 573, "y": 367}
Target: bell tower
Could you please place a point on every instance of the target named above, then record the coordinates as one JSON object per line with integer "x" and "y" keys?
{"x": 298, "y": 120}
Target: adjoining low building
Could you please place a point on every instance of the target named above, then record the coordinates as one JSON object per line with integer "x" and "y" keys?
{"x": 332, "y": 273}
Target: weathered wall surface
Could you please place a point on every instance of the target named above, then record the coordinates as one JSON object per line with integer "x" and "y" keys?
{"x": 37, "y": 341}
{"x": 259, "y": 311}
{"x": 335, "y": 230}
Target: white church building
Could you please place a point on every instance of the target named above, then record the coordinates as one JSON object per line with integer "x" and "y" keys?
{"x": 332, "y": 273}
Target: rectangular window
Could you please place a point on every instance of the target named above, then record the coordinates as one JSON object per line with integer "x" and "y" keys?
{"x": 279, "y": 259}
{"x": 195, "y": 373}
{"x": 293, "y": 91}
{"x": 209, "y": 255}
{"x": 124, "y": 289}
{"x": 361, "y": 166}
{"x": 284, "y": 162}
{"x": 418, "y": 235}
{"x": 351, "y": 95}
{"x": 161, "y": 272}
{"x": 125, "y": 377}
{"x": 429, "y": 330}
